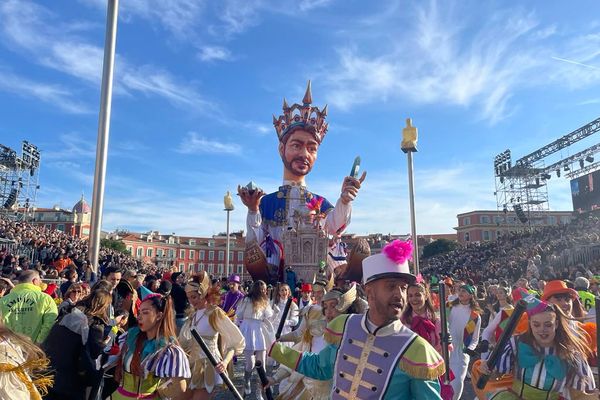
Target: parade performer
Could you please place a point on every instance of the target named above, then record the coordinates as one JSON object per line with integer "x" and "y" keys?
{"x": 254, "y": 317}
{"x": 419, "y": 314}
{"x": 547, "y": 361}
{"x": 293, "y": 385}
{"x": 464, "y": 323}
{"x": 233, "y": 297}
{"x": 300, "y": 131}
{"x": 495, "y": 327}
{"x": 23, "y": 366}
{"x": 151, "y": 361}
{"x": 374, "y": 356}
{"x": 278, "y": 305}
{"x": 212, "y": 324}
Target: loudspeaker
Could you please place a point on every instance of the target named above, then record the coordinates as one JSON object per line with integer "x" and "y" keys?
{"x": 11, "y": 199}
{"x": 520, "y": 214}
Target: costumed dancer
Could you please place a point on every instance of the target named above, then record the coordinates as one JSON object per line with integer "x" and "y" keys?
{"x": 212, "y": 324}
{"x": 548, "y": 361}
{"x": 151, "y": 363}
{"x": 464, "y": 323}
{"x": 278, "y": 305}
{"x": 254, "y": 317}
{"x": 419, "y": 314}
{"x": 496, "y": 326}
{"x": 23, "y": 367}
{"x": 293, "y": 385}
{"x": 374, "y": 355}
{"x": 300, "y": 131}
{"x": 233, "y": 297}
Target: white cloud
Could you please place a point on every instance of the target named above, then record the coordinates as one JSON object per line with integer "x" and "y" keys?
{"x": 55, "y": 95}
{"x": 308, "y": 5}
{"x": 214, "y": 53}
{"x": 72, "y": 146}
{"x": 196, "y": 144}
{"x": 37, "y": 32}
{"x": 444, "y": 55}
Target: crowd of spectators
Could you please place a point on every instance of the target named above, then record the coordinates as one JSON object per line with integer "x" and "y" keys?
{"x": 542, "y": 253}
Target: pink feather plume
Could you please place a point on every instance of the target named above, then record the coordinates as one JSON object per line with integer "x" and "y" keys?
{"x": 399, "y": 251}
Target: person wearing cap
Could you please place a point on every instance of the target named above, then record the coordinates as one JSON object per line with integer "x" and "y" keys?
{"x": 293, "y": 385}
{"x": 211, "y": 322}
{"x": 464, "y": 324}
{"x": 374, "y": 355}
{"x": 557, "y": 292}
{"x": 547, "y": 361}
{"x": 306, "y": 296}
{"x": 233, "y": 297}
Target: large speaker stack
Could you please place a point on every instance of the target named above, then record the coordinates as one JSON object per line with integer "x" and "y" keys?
{"x": 520, "y": 214}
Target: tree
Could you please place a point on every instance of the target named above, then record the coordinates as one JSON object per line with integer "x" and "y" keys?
{"x": 439, "y": 246}
{"x": 113, "y": 244}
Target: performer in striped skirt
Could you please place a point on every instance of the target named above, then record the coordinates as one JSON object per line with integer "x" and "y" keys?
{"x": 548, "y": 361}
{"x": 151, "y": 360}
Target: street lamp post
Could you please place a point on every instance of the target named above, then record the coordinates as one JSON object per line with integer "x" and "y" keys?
{"x": 228, "y": 207}
{"x": 409, "y": 146}
{"x": 103, "y": 131}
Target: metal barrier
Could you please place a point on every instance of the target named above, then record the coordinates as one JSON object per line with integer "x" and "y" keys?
{"x": 587, "y": 255}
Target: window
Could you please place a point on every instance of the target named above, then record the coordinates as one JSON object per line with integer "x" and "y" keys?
{"x": 565, "y": 219}
{"x": 181, "y": 267}
{"x": 171, "y": 253}
{"x": 210, "y": 269}
{"x": 211, "y": 255}
{"x": 48, "y": 226}
{"x": 211, "y": 243}
{"x": 484, "y": 219}
{"x": 230, "y": 256}
{"x": 159, "y": 252}
{"x": 191, "y": 267}
{"x": 467, "y": 221}
{"x": 149, "y": 252}
{"x": 240, "y": 269}
{"x": 221, "y": 255}
{"x": 140, "y": 251}
{"x": 129, "y": 249}
{"x": 498, "y": 220}
{"x": 202, "y": 254}
{"x": 486, "y": 235}
{"x": 240, "y": 255}
{"x": 60, "y": 227}
{"x": 221, "y": 269}
{"x": 192, "y": 242}
{"x": 200, "y": 267}
{"x": 467, "y": 236}
{"x": 192, "y": 254}
{"x": 551, "y": 220}
{"x": 86, "y": 231}
{"x": 171, "y": 240}
{"x": 182, "y": 253}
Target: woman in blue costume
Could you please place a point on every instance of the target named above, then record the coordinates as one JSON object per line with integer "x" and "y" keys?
{"x": 151, "y": 360}
{"x": 548, "y": 361}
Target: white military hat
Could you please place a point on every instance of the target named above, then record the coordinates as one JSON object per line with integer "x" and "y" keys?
{"x": 392, "y": 262}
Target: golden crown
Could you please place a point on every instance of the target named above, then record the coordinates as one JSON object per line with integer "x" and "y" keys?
{"x": 302, "y": 115}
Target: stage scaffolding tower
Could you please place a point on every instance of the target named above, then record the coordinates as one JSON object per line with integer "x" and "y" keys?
{"x": 520, "y": 189}
{"x": 19, "y": 180}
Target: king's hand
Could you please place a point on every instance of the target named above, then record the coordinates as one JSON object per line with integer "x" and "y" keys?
{"x": 250, "y": 198}
{"x": 350, "y": 187}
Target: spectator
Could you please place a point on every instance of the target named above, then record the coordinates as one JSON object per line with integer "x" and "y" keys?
{"x": 27, "y": 310}
{"x": 72, "y": 296}
{"x": 72, "y": 276}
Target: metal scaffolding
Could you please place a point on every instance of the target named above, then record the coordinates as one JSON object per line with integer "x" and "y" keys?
{"x": 19, "y": 179}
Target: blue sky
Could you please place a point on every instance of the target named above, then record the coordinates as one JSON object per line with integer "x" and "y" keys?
{"x": 197, "y": 82}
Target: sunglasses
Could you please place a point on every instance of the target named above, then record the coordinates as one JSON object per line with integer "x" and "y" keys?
{"x": 76, "y": 291}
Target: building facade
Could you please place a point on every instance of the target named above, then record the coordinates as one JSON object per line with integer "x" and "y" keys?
{"x": 489, "y": 225}
{"x": 189, "y": 253}
{"x": 74, "y": 222}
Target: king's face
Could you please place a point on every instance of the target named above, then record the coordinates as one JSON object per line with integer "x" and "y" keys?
{"x": 299, "y": 152}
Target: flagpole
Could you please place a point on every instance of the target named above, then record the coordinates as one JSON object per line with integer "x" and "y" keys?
{"x": 409, "y": 146}
{"x": 103, "y": 131}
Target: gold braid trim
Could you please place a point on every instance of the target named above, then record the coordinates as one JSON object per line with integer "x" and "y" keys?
{"x": 423, "y": 372}
{"x": 37, "y": 387}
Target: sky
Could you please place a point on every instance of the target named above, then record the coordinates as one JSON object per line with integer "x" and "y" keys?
{"x": 197, "y": 82}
